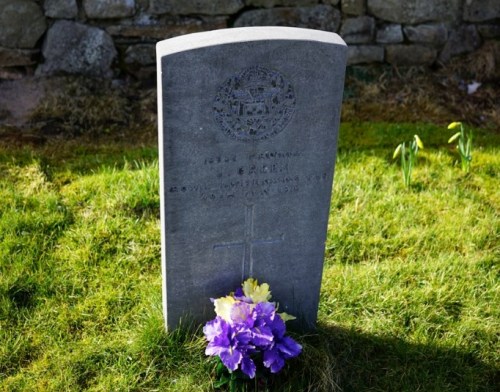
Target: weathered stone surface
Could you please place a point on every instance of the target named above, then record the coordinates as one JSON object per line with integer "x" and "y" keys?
{"x": 20, "y": 98}
{"x": 158, "y": 32}
{"x": 22, "y": 23}
{"x": 358, "y": 30}
{"x": 9, "y": 73}
{"x": 435, "y": 34}
{"x": 489, "y": 30}
{"x": 141, "y": 54}
{"x": 465, "y": 39}
{"x": 320, "y": 17}
{"x": 481, "y": 10}
{"x": 408, "y": 55}
{"x": 364, "y": 54}
{"x": 74, "y": 48}
{"x": 18, "y": 57}
{"x": 63, "y": 9}
{"x": 107, "y": 9}
{"x": 353, "y": 7}
{"x": 390, "y": 34}
{"x": 415, "y": 11}
{"x": 248, "y": 123}
{"x": 332, "y": 2}
{"x": 273, "y": 3}
{"x": 195, "y": 7}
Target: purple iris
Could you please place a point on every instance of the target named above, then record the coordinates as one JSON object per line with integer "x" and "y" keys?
{"x": 252, "y": 329}
{"x": 240, "y": 296}
{"x": 283, "y": 348}
{"x": 232, "y": 344}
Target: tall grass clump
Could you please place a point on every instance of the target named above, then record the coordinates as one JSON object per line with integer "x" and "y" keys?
{"x": 464, "y": 144}
{"x": 408, "y": 155}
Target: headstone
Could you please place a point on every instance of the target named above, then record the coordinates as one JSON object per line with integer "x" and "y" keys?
{"x": 248, "y": 125}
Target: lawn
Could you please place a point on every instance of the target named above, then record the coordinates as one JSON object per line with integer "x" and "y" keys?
{"x": 410, "y": 298}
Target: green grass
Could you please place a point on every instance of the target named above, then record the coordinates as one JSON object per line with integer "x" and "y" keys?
{"x": 409, "y": 300}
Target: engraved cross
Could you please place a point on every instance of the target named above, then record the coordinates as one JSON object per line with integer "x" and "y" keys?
{"x": 249, "y": 242}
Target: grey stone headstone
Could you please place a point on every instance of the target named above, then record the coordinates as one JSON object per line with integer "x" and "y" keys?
{"x": 248, "y": 125}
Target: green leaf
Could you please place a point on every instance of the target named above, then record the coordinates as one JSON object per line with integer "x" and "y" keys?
{"x": 454, "y": 137}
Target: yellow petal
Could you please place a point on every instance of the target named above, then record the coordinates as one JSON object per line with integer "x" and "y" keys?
{"x": 419, "y": 142}
{"x": 223, "y": 307}
{"x": 396, "y": 152}
{"x": 257, "y": 293}
{"x": 249, "y": 286}
{"x": 454, "y": 137}
{"x": 261, "y": 294}
{"x": 454, "y": 125}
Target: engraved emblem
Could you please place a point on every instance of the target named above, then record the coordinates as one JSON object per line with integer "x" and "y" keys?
{"x": 256, "y": 104}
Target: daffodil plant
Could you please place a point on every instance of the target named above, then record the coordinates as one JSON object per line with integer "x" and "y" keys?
{"x": 464, "y": 145}
{"x": 408, "y": 152}
{"x": 248, "y": 336}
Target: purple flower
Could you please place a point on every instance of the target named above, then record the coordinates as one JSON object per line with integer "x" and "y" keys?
{"x": 231, "y": 344}
{"x": 284, "y": 348}
{"x": 239, "y": 295}
{"x": 242, "y": 315}
{"x": 246, "y": 326}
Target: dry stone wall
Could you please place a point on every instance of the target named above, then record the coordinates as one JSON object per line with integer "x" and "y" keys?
{"x": 116, "y": 38}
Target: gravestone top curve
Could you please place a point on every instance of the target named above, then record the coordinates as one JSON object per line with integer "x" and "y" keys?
{"x": 243, "y": 34}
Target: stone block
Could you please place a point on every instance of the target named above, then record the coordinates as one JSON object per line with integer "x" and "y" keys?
{"x": 108, "y": 9}
{"x": 435, "y": 34}
{"x": 481, "y": 10}
{"x": 195, "y": 7}
{"x": 140, "y": 54}
{"x": 390, "y": 34}
{"x": 9, "y": 73}
{"x": 415, "y": 11}
{"x": 174, "y": 29}
{"x": 320, "y": 17}
{"x": 22, "y": 23}
{"x": 408, "y": 55}
{"x": 18, "y": 57}
{"x": 358, "y": 30}
{"x": 489, "y": 30}
{"x": 75, "y": 48}
{"x": 353, "y": 7}
{"x": 463, "y": 40}
{"x": 364, "y": 54}
{"x": 61, "y": 9}
{"x": 274, "y": 3}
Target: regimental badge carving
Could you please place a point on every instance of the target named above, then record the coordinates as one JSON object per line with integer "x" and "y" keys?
{"x": 256, "y": 104}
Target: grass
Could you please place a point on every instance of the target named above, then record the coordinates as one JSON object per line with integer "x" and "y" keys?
{"x": 410, "y": 292}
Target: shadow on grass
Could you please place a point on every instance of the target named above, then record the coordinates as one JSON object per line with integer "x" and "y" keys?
{"x": 337, "y": 359}
{"x": 347, "y": 360}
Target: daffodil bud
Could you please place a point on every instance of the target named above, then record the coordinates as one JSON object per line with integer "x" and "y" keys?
{"x": 454, "y": 125}
{"x": 396, "y": 151}
{"x": 419, "y": 142}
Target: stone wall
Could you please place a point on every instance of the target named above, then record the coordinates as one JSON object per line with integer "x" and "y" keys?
{"x": 116, "y": 38}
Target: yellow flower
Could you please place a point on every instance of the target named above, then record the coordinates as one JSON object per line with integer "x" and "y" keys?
{"x": 396, "y": 151}
{"x": 454, "y": 124}
{"x": 419, "y": 142}
{"x": 223, "y": 307}
{"x": 257, "y": 293}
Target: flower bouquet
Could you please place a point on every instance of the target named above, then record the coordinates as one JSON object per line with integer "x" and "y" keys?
{"x": 248, "y": 335}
